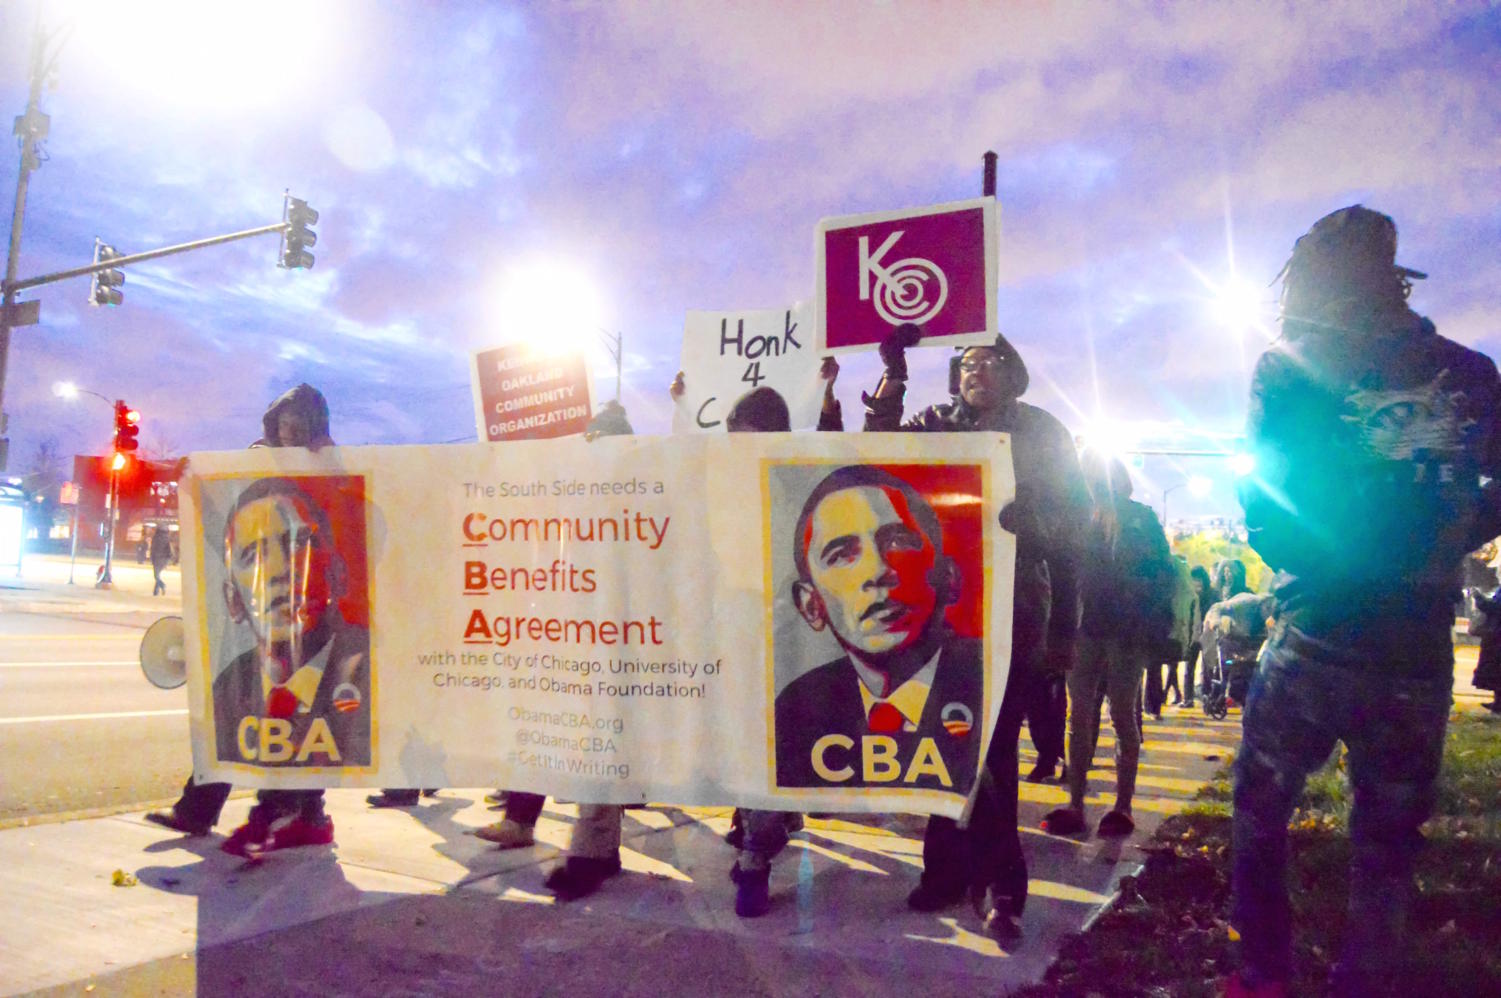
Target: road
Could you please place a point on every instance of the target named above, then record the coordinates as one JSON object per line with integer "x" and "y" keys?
{"x": 81, "y": 731}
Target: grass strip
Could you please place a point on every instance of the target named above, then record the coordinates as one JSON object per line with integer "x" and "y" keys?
{"x": 1168, "y": 934}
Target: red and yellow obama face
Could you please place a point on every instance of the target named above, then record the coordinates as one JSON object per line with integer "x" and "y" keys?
{"x": 279, "y": 568}
{"x": 871, "y": 567}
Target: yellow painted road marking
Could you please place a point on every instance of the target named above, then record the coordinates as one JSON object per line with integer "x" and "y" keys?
{"x": 858, "y": 865}
{"x": 962, "y": 938}
{"x": 1063, "y": 892}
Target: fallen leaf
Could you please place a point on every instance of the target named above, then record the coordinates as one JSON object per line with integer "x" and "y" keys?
{"x": 122, "y": 879}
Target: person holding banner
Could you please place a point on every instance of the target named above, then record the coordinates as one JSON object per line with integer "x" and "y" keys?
{"x": 298, "y": 418}
{"x": 764, "y": 834}
{"x": 594, "y": 843}
{"x": 759, "y": 835}
{"x": 1047, "y": 517}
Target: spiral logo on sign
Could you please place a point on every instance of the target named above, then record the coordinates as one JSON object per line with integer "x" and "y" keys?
{"x": 910, "y": 290}
{"x": 902, "y": 291}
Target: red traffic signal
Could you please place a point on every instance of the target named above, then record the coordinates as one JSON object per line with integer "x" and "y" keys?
{"x": 127, "y": 428}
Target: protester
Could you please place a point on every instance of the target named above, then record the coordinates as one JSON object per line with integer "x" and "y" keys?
{"x": 760, "y": 835}
{"x": 400, "y": 796}
{"x": 1233, "y": 633}
{"x": 1231, "y": 579}
{"x": 1173, "y": 647}
{"x": 593, "y": 853}
{"x": 1485, "y": 624}
{"x": 749, "y": 407}
{"x": 517, "y": 827}
{"x": 1372, "y": 436}
{"x": 1127, "y": 582}
{"x": 1203, "y": 592}
{"x": 161, "y": 557}
{"x": 280, "y": 818}
{"x": 1047, "y": 516}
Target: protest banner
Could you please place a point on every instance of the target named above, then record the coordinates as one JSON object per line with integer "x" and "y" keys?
{"x": 726, "y": 354}
{"x": 933, "y": 266}
{"x": 523, "y": 394}
{"x": 695, "y": 620}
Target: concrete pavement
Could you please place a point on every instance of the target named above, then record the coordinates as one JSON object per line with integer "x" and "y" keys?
{"x": 410, "y": 903}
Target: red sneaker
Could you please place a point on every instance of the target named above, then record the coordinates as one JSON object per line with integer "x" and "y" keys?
{"x": 248, "y": 837}
{"x": 301, "y": 832}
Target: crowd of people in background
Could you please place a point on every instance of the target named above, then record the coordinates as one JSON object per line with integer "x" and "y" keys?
{"x": 1103, "y": 613}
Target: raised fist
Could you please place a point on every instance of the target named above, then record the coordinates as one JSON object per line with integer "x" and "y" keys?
{"x": 893, "y": 349}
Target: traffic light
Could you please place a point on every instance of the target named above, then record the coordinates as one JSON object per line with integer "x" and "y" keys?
{"x": 127, "y": 429}
{"x": 104, "y": 289}
{"x": 297, "y": 237}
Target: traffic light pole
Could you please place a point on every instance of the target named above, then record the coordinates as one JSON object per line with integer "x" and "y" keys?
{"x": 120, "y": 261}
{"x": 105, "y": 580}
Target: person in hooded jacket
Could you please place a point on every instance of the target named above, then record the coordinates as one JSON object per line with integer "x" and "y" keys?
{"x": 298, "y": 418}
{"x": 1127, "y": 583}
{"x": 984, "y": 859}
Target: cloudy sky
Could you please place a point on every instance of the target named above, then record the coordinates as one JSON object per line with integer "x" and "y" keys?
{"x": 1156, "y": 163}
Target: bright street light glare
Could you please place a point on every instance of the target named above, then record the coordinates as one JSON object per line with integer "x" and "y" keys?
{"x": 208, "y": 56}
{"x": 1242, "y": 464}
{"x": 1199, "y": 486}
{"x": 1238, "y": 303}
{"x": 550, "y": 304}
{"x": 65, "y": 390}
{"x": 1106, "y": 438}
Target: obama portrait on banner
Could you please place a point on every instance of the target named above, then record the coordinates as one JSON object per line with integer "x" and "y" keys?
{"x": 299, "y": 694}
{"x": 902, "y": 705}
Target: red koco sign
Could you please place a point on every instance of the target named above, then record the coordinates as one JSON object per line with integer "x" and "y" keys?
{"x": 520, "y": 394}
{"x": 935, "y": 267}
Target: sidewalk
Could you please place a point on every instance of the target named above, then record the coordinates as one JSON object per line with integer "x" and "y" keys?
{"x": 43, "y": 587}
{"x": 408, "y": 903}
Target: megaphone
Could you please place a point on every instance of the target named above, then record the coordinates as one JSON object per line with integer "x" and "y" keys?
{"x": 162, "y": 654}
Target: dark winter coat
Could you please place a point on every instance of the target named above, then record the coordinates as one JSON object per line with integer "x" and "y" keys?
{"x": 1051, "y": 507}
{"x": 1371, "y": 445}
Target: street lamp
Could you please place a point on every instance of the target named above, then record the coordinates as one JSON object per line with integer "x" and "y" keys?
{"x": 1198, "y": 486}
{"x": 69, "y": 390}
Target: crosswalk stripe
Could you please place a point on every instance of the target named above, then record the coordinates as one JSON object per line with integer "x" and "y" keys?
{"x": 110, "y": 716}
{"x": 67, "y": 665}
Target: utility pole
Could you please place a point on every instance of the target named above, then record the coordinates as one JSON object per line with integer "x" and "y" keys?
{"x": 30, "y": 130}
{"x": 615, "y": 345}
